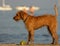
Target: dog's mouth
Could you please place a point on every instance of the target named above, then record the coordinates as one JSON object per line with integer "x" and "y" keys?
{"x": 15, "y": 19}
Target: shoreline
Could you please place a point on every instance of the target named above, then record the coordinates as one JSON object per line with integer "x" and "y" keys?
{"x": 29, "y": 45}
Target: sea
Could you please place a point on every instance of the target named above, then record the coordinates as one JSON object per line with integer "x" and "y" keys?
{"x": 13, "y": 32}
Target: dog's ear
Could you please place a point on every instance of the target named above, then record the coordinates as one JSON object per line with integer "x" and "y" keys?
{"x": 21, "y": 13}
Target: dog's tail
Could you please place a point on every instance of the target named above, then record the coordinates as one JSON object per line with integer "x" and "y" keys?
{"x": 56, "y": 10}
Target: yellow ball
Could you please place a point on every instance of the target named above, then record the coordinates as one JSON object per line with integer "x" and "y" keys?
{"x": 22, "y": 43}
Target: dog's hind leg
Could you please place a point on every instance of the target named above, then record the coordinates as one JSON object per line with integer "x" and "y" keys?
{"x": 54, "y": 35}
{"x": 52, "y": 31}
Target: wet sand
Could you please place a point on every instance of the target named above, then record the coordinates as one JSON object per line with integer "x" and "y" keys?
{"x": 28, "y": 45}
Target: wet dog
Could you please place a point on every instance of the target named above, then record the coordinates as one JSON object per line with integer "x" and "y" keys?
{"x": 34, "y": 22}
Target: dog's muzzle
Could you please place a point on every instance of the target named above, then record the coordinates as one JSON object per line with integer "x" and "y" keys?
{"x": 15, "y": 19}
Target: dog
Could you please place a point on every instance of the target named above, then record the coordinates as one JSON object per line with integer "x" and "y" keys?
{"x": 33, "y": 23}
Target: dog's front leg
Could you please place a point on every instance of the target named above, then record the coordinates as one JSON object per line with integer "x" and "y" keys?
{"x": 32, "y": 37}
{"x": 29, "y": 37}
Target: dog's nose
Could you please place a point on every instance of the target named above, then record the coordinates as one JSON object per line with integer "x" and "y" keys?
{"x": 13, "y": 17}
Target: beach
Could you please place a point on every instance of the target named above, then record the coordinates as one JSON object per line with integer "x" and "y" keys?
{"x": 28, "y": 45}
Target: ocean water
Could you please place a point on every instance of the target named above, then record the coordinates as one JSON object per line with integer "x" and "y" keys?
{"x": 14, "y": 32}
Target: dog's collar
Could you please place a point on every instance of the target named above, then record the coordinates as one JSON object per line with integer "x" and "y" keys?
{"x": 25, "y": 19}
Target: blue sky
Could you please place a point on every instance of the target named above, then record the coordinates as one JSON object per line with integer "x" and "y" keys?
{"x": 40, "y": 3}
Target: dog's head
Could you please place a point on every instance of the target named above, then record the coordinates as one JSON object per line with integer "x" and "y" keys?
{"x": 18, "y": 16}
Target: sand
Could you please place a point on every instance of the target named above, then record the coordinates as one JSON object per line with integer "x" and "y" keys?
{"x": 28, "y": 45}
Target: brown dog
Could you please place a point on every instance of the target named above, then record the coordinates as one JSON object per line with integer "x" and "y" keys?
{"x": 34, "y": 22}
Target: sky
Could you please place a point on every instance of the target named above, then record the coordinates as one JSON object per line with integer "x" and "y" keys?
{"x": 40, "y": 3}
